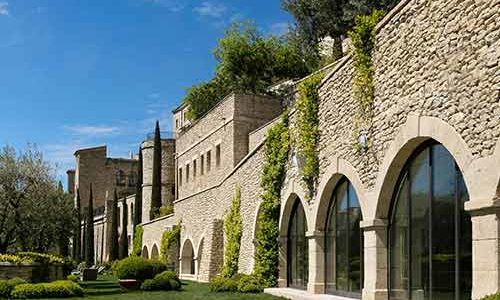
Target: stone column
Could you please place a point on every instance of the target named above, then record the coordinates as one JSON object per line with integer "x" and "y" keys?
{"x": 485, "y": 247}
{"x": 316, "y": 282}
{"x": 283, "y": 280}
{"x": 375, "y": 259}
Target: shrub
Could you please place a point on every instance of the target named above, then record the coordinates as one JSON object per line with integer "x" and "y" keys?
{"x": 250, "y": 284}
{"x": 137, "y": 243}
{"x": 72, "y": 277}
{"x": 6, "y": 286}
{"x": 138, "y": 268}
{"x": 40, "y": 258}
{"x": 222, "y": 284}
{"x": 492, "y": 297}
{"x": 56, "y": 289}
{"x": 164, "y": 281}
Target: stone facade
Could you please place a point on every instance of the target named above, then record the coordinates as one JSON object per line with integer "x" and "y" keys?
{"x": 437, "y": 75}
{"x": 105, "y": 174}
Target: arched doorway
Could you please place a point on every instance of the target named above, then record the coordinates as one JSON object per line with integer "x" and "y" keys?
{"x": 344, "y": 242}
{"x": 154, "y": 252}
{"x": 187, "y": 261}
{"x": 298, "y": 248}
{"x": 145, "y": 253}
{"x": 430, "y": 234}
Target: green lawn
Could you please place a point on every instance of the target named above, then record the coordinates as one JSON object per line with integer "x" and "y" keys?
{"x": 107, "y": 288}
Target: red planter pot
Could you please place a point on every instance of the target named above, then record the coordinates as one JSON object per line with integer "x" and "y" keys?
{"x": 129, "y": 284}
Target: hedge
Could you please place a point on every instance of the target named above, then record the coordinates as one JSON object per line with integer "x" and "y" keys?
{"x": 241, "y": 283}
{"x": 6, "y": 286}
{"x": 492, "y": 297}
{"x": 165, "y": 281}
{"x": 56, "y": 289}
{"x": 138, "y": 268}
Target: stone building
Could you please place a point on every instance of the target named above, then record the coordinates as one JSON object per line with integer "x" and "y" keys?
{"x": 411, "y": 212}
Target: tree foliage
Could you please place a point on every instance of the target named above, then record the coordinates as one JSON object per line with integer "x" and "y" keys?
{"x": 123, "y": 250}
{"x": 318, "y": 19}
{"x": 137, "y": 244}
{"x": 113, "y": 237}
{"x": 156, "y": 182}
{"x": 248, "y": 61}
{"x": 89, "y": 231}
{"x": 277, "y": 146}
{"x": 35, "y": 213}
{"x": 137, "y": 213}
{"x": 233, "y": 229}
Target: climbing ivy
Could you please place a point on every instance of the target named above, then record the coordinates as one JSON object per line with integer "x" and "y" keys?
{"x": 139, "y": 231}
{"x": 170, "y": 238}
{"x": 363, "y": 37}
{"x": 277, "y": 146}
{"x": 307, "y": 130}
{"x": 233, "y": 229}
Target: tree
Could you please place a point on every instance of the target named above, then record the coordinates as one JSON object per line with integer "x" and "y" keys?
{"x": 156, "y": 184}
{"x": 317, "y": 19}
{"x": 138, "y": 193}
{"x": 89, "y": 237}
{"x": 77, "y": 242}
{"x": 248, "y": 62}
{"x": 35, "y": 213}
{"x": 113, "y": 240}
{"x": 124, "y": 236}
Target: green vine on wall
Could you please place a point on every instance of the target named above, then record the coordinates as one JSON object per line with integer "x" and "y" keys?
{"x": 307, "y": 130}
{"x": 169, "y": 239}
{"x": 363, "y": 38}
{"x": 139, "y": 231}
{"x": 276, "y": 150}
{"x": 233, "y": 229}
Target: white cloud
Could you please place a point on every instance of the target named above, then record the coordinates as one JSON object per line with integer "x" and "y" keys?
{"x": 210, "y": 9}
{"x": 279, "y": 28}
{"x": 92, "y": 130}
{"x": 4, "y": 8}
{"x": 171, "y": 5}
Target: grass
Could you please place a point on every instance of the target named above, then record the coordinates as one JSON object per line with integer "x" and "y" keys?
{"x": 106, "y": 287}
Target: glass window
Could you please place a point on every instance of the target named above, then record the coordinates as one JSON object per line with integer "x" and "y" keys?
{"x": 343, "y": 242}
{"x": 187, "y": 173}
{"x": 202, "y": 164}
{"x": 209, "y": 161}
{"x": 298, "y": 262}
{"x": 180, "y": 176}
{"x": 430, "y": 233}
{"x": 194, "y": 168}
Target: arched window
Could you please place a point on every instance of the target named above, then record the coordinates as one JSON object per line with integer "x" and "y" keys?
{"x": 145, "y": 253}
{"x": 154, "y": 252}
{"x": 344, "y": 243}
{"x": 187, "y": 261}
{"x": 430, "y": 234}
{"x": 298, "y": 266}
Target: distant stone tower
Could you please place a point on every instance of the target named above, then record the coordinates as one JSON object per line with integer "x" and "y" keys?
{"x": 167, "y": 174}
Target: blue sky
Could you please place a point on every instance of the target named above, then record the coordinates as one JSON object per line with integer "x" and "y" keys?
{"x": 79, "y": 73}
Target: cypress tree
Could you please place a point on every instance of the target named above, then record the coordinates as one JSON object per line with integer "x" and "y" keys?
{"x": 89, "y": 243}
{"x": 138, "y": 193}
{"x": 77, "y": 243}
{"x": 113, "y": 240}
{"x": 124, "y": 235}
{"x": 156, "y": 184}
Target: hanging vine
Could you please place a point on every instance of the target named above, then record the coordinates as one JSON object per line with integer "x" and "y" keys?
{"x": 363, "y": 38}
{"x": 233, "y": 229}
{"x": 137, "y": 244}
{"x": 267, "y": 233}
{"x": 169, "y": 239}
{"x": 307, "y": 131}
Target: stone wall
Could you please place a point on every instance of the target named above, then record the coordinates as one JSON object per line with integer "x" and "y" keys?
{"x": 94, "y": 167}
{"x": 32, "y": 272}
{"x": 200, "y": 214}
{"x": 256, "y": 137}
{"x": 153, "y": 231}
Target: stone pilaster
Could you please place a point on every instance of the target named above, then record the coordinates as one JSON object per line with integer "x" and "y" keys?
{"x": 282, "y": 281}
{"x": 485, "y": 247}
{"x": 375, "y": 259}
{"x": 316, "y": 283}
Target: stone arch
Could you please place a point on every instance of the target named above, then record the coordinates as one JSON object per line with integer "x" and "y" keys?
{"x": 287, "y": 211}
{"x": 154, "y": 252}
{"x": 145, "y": 252}
{"x": 187, "y": 258}
{"x": 199, "y": 255}
{"x": 413, "y": 133}
{"x": 338, "y": 169}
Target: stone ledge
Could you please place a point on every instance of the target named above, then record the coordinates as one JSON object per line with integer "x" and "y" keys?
{"x": 301, "y": 295}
